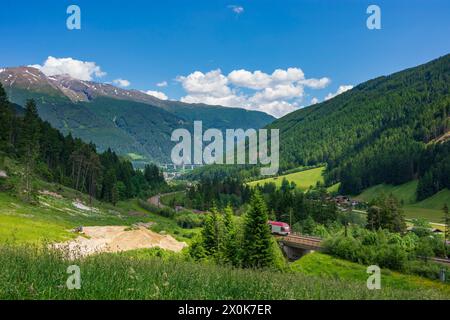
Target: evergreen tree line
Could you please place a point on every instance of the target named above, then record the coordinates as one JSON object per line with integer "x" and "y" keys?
{"x": 44, "y": 151}
{"x": 434, "y": 171}
{"x": 299, "y": 209}
{"x": 248, "y": 245}
{"x": 395, "y": 160}
{"x": 381, "y": 131}
{"x": 385, "y": 213}
{"x": 219, "y": 192}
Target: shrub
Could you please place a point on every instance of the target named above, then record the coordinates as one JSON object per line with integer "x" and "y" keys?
{"x": 189, "y": 220}
{"x": 392, "y": 257}
{"x": 424, "y": 248}
{"x": 165, "y": 212}
{"x": 426, "y": 269}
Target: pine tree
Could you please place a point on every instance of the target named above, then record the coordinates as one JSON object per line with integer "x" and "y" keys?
{"x": 212, "y": 233}
{"x": 109, "y": 183}
{"x": 385, "y": 213}
{"x": 447, "y": 226}
{"x": 6, "y": 121}
{"x": 197, "y": 249}
{"x": 374, "y": 218}
{"x": 230, "y": 245}
{"x": 114, "y": 194}
{"x": 257, "y": 246}
{"x": 29, "y": 144}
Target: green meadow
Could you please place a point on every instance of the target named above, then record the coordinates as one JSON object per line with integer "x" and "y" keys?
{"x": 430, "y": 208}
{"x": 51, "y": 219}
{"x": 34, "y": 273}
{"x": 303, "y": 179}
{"x": 319, "y": 264}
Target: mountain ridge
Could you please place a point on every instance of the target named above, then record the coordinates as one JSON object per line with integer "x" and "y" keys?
{"x": 377, "y": 132}
{"x": 140, "y": 124}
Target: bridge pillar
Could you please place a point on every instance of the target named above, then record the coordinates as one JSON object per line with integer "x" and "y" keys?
{"x": 293, "y": 253}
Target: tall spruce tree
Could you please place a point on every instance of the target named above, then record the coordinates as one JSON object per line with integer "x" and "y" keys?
{"x": 6, "y": 122}
{"x": 230, "y": 245}
{"x": 447, "y": 226}
{"x": 257, "y": 248}
{"x": 212, "y": 233}
{"x": 29, "y": 144}
{"x": 385, "y": 213}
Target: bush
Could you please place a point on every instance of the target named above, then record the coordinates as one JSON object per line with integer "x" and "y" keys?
{"x": 367, "y": 247}
{"x": 189, "y": 220}
{"x": 165, "y": 212}
{"x": 426, "y": 269}
{"x": 424, "y": 249}
{"x": 392, "y": 257}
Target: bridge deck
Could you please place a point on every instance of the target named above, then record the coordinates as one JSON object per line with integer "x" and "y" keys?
{"x": 304, "y": 242}
{"x": 313, "y": 243}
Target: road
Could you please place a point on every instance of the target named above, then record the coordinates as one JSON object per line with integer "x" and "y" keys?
{"x": 156, "y": 201}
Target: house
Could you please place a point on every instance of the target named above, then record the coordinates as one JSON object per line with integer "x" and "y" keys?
{"x": 3, "y": 174}
{"x": 342, "y": 200}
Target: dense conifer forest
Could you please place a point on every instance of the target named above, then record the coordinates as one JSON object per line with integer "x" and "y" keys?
{"x": 388, "y": 130}
{"x": 46, "y": 152}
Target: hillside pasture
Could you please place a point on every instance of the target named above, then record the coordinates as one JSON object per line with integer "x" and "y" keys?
{"x": 302, "y": 179}
{"x": 430, "y": 208}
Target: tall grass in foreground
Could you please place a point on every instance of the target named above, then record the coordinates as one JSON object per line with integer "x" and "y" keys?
{"x": 36, "y": 273}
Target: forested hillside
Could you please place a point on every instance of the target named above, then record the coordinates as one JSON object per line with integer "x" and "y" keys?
{"x": 387, "y": 130}
{"x": 45, "y": 152}
{"x": 129, "y": 122}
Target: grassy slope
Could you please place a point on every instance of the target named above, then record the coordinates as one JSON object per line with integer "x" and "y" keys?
{"x": 404, "y": 192}
{"x": 430, "y": 208}
{"x": 318, "y": 264}
{"x": 33, "y": 274}
{"x": 51, "y": 219}
{"x": 162, "y": 224}
{"x": 303, "y": 179}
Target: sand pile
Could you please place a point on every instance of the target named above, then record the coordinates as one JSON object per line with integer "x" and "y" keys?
{"x": 119, "y": 238}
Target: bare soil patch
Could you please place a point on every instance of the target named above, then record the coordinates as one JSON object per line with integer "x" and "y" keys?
{"x": 118, "y": 238}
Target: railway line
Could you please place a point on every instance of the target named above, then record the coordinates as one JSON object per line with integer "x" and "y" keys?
{"x": 301, "y": 241}
{"x": 441, "y": 260}
{"x": 314, "y": 243}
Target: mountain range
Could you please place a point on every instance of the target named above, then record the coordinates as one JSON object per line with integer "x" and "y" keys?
{"x": 130, "y": 122}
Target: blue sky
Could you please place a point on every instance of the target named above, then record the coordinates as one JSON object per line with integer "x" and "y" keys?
{"x": 150, "y": 42}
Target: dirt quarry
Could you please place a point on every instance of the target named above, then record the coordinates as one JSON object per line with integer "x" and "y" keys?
{"x": 118, "y": 238}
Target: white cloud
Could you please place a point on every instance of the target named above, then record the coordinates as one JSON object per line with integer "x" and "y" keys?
{"x": 277, "y": 94}
{"x": 77, "y": 69}
{"x": 277, "y": 108}
{"x": 316, "y": 83}
{"x": 157, "y": 94}
{"x": 213, "y": 83}
{"x": 236, "y": 9}
{"x": 340, "y": 90}
{"x": 230, "y": 100}
{"x": 289, "y": 75}
{"x": 281, "y": 91}
{"x": 253, "y": 80}
{"x": 314, "y": 100}
{"x": 162, "y": 84}
{"x": 260, "y": 80}
{"x": 122, "y": 83}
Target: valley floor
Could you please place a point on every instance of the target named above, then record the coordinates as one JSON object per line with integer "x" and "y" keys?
{"x": 31, "y": 271}
{"x": 430, "y": 208}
